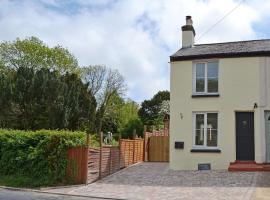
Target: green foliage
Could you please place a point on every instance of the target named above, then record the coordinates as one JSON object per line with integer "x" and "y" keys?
{"x": 111, "y": 118}
{"x": 19, "y": 181}
{"x": 149, "y": 112}
{"x": 106, "y": 85}
{"x": 43, "y": 87}
{"x": 44, "y": 99}
{"x": 129, "y": 120}
{"x": 39, "y": 155}
{"x": 130, "y": 126}
{"x": 128, "y": 111}
{"x": 121, "y": 117}
{"x": 33, "y": 53}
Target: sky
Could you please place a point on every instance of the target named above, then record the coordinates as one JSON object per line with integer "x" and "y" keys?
{"x": 134, "y": 36}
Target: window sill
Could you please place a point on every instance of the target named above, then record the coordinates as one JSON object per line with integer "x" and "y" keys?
{"x": 204, "y": 95}
{"x": 205, "y": 150}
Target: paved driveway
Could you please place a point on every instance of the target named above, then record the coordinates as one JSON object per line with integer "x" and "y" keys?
{"x": 157, "y": 181}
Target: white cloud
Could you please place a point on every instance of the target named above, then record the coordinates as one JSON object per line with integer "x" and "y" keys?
{"x": 136, "y": 37}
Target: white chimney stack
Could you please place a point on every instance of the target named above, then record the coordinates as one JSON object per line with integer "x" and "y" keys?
{"x": 188, "y": 33}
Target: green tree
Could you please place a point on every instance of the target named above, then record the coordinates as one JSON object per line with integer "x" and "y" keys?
{"x": 33, "y": 53}
{"x": 105, "y": 84}
{"x": 121, "y": 117}
{"x": 149, "y": 112}
{"x": 112, "y": 115}
{"x": 41, "y": 88}
{"x": 129, "y": 110}
{"x": 45, "y": 99}
{"x": 7, "y": 108}
{"x": 131, "y": 125}
{"x": 79, "y": 104}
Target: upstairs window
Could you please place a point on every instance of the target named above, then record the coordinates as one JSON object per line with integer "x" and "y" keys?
{"x": 205, "y": 79}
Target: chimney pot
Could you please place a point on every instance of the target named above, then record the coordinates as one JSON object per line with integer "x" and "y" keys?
{"x": 189, "y": 20}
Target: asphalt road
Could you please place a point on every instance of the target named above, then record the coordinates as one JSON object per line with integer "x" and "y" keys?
{"x": 18, "y": 195}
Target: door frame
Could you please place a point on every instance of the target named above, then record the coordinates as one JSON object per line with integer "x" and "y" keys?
{"x": 235, "y": 131}
{"x": 265, "y": 139}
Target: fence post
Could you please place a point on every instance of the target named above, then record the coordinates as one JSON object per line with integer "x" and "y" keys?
{"x": 87, "y": 156}
{"x": 100, "y": 154}
{"x": 110, "y": 159}
{"x": 87, "y": 139}
{"x": 120, "y": 154}
{"x": 133, "y": 151}
{"x": 144, "y": 143}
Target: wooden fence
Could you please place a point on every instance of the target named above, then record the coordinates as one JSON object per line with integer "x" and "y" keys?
{"x": 131, "y": 151}
{"x": 110, "y": 162}
{"x": 84, "y": 165}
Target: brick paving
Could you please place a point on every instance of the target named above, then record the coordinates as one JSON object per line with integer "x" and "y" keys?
{"x": 157, "y": 181}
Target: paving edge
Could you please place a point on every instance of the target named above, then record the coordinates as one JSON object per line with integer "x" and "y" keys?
{"x": 59, "y": 187}
{"x": 42, "y": 190}
{"x": 55, "y": 193}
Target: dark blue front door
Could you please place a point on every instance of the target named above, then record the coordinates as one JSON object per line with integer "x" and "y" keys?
{"x": 244, "y": 136}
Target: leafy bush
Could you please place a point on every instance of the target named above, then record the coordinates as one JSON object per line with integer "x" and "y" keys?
{"x": 40, "y": 156}
{"x": 132, "y": 124}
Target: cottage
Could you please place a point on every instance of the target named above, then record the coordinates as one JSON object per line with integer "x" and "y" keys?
{"x": 220, "y": 103}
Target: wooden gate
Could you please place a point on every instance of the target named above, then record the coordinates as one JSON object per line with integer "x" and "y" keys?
{"x": 159, "y": 149}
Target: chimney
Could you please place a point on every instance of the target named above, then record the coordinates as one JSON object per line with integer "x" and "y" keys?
{"x": 188, "y": 33}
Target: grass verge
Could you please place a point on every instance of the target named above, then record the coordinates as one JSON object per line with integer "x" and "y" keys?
{"x": 22, "y": 182}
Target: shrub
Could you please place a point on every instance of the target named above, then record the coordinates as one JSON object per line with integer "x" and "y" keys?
{"x": 39, "y": 156}
{"x": 132, "y": 124}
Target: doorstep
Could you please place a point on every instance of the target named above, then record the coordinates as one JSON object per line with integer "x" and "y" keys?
{"x": 248, "y": 166}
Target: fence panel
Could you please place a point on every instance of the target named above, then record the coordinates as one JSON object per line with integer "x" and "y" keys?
{"x": 93, "y": 165}
{"x": 114, "y": 158}
{"x": 77, "y": 165}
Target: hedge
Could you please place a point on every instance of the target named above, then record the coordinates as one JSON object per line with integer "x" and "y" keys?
{"x": 39, "y": 156}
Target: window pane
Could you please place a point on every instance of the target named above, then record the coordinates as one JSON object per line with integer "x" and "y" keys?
{"x": 212, "y": 77}
{"x": 211, "y": 137}
{"x": 200, "y": 85}
{"x": 212, "y": 69}
{"x": 212, "y": 120}
{"x": 199, "y": 121}
{"x": 200, "y": 77}
{"x": 199, "y": 137}
{"x": 212, "y": 85}
{"x": 200, "y": 69}
{"x": 212, "y": 126}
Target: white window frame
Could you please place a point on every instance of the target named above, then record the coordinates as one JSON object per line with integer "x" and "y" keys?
{"x": 204, "y": 146}
{"x": 205, "y": 78}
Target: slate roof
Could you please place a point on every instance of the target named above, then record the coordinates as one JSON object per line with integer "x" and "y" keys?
{"x": 249, "y": 48}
